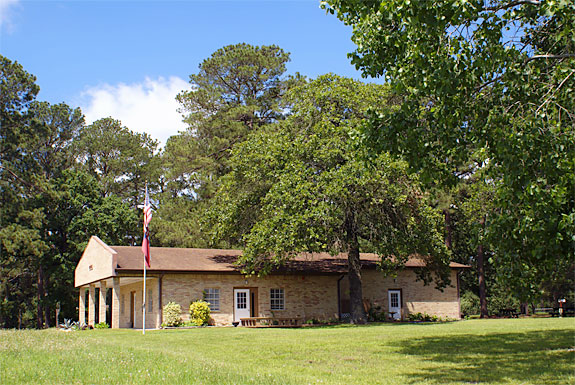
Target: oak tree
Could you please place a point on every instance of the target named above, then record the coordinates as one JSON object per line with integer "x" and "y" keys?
{"x": 304, "y": 186}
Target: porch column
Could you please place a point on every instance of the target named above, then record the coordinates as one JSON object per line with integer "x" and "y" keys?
{"x": 115, "y": 303}
{"x": 158, "y": 309}
{"x": 91, "y": 305}
{"x": 102, "y": 302}
{"x": 82, "y": 306}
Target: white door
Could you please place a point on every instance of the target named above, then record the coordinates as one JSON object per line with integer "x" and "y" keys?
{"x": 394, "y": 300}
{"x": 241, "y": 304}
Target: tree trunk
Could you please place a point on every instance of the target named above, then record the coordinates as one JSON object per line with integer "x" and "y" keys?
{"x": 4, "y": 322}
{"x": 40, "y": 298}
{"x": 355, "y": 289}
{"x": 482, "y": 289}
{"x": 46, "y": 307}
{"x": 481, "y": 275}
{"x": 525, "y": 308}
{"x": 448, "y": 236}
{"x": 354, "y": 275}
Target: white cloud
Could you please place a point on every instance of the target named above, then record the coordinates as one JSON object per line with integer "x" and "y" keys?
{"x": 6, "y": 7}
{"x": 149, "y": 106}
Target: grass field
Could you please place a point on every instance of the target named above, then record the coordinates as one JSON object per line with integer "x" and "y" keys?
{"x": 510, "y": 351}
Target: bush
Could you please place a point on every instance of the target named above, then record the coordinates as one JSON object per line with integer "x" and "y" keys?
{"x": 375, "y": 314}
{"x": 68, "y": 324}
{"x": 101, "y": 325}
{"x": 423, "y": 317}
{"x": 497, "y": 299}
{"x": 200, "y": 312}
{"x": 501, "y": 298}
{"x": 172, "y": 314}
{"x": 469, "y": 303}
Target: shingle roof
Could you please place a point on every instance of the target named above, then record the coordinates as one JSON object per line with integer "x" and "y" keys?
{"x": 166, "y": 259}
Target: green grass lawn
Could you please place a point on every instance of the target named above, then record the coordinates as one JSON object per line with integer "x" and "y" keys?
{"x": 510, "y": 351}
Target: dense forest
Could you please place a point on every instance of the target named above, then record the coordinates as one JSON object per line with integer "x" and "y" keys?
{"x": 466, "y": 153}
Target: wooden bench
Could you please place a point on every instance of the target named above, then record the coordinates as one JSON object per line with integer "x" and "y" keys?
{"x": 271, "y": 322}
{"x": 567, "y": 312}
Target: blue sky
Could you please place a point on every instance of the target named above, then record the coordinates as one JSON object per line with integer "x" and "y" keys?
{"x": 128, "y": 59}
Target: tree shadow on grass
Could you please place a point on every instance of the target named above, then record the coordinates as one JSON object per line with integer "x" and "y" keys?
{"x": 540, "y": 357}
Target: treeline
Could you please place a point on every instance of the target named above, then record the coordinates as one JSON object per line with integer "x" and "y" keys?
{"x": 61, "y": 180}
{"x": 270, "y": 163}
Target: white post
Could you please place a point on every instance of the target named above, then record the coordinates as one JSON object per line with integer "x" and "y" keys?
{"x": 144, "y": 301}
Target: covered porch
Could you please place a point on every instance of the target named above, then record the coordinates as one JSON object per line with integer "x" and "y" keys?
{"x": 118, "y": 301}
{"x": 107, "y": 294}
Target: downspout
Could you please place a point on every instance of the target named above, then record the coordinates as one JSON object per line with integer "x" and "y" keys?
{"x": 161, "y": 307}
{"x": 339, "y": 297}
{"x": 458, "y": 276}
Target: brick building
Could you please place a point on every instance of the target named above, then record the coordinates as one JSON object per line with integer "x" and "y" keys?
{"x": 110, "y": 279}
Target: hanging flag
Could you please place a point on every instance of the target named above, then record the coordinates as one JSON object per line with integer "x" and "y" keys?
{"x": 147, "y": 219}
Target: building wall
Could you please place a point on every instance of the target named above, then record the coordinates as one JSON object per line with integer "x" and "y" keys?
{"x": 152, "y": 304}
{"x": 305, "y": 296}
{"x": 96, "y": 263}
{"x": 416, "y": 297}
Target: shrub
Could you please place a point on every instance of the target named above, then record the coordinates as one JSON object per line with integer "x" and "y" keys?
{"x": 101, "y": 325}
{"x": 172, "y": 314}
{"x": 200, "y": 312}
{"x": 68, "y": 324}
{"x": 423, "y": 317}
{"x": 79, "y": 326}
{"x": 375, "y": 314}
{"x": 469, "y": 303}
{"x": 501, "y": 298}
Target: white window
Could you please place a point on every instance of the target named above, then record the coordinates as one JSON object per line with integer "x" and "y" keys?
{"x": 242, "y": 300}
{"x": 394, "y": 299}
{"x": 122, "y": 304}
{"x": 277, "y": 299}
{"x": 212, "y": 296}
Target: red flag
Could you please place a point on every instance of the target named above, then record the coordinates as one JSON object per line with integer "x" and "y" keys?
{"x": 147, "y": 219}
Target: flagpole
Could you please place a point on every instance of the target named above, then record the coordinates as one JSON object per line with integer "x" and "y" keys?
{"x": 146, "y": 250}
{"x": 144, "y": 301}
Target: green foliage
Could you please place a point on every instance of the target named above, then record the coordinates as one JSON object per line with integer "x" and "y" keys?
{"x": 172, "y": 314}
{"x": 36, "y": 150}
{"x": 122, "y": 161}
{"x": 236, "y": 76}
{"x": 376, "y": 314}
{"x": 200, "y": 312}
{"x": 493, "y": 78}
{"x": 237, "y": 90}
{"x": 323, "y": 321}
{"x": 498, "y": 299}
{"x": 101, "y": 325}
{"x": 469, "y": 303}
{"x": 423, "y": 317}
{"x": 307, "y": 178}
{"x": 305, "y": 186}
{"x": 501, "y": 298}
{"x": 56, "y": 186}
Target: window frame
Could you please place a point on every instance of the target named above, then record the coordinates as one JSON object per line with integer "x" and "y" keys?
{"x": 212, "y": 295}
{"x": 277, "y": 299}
